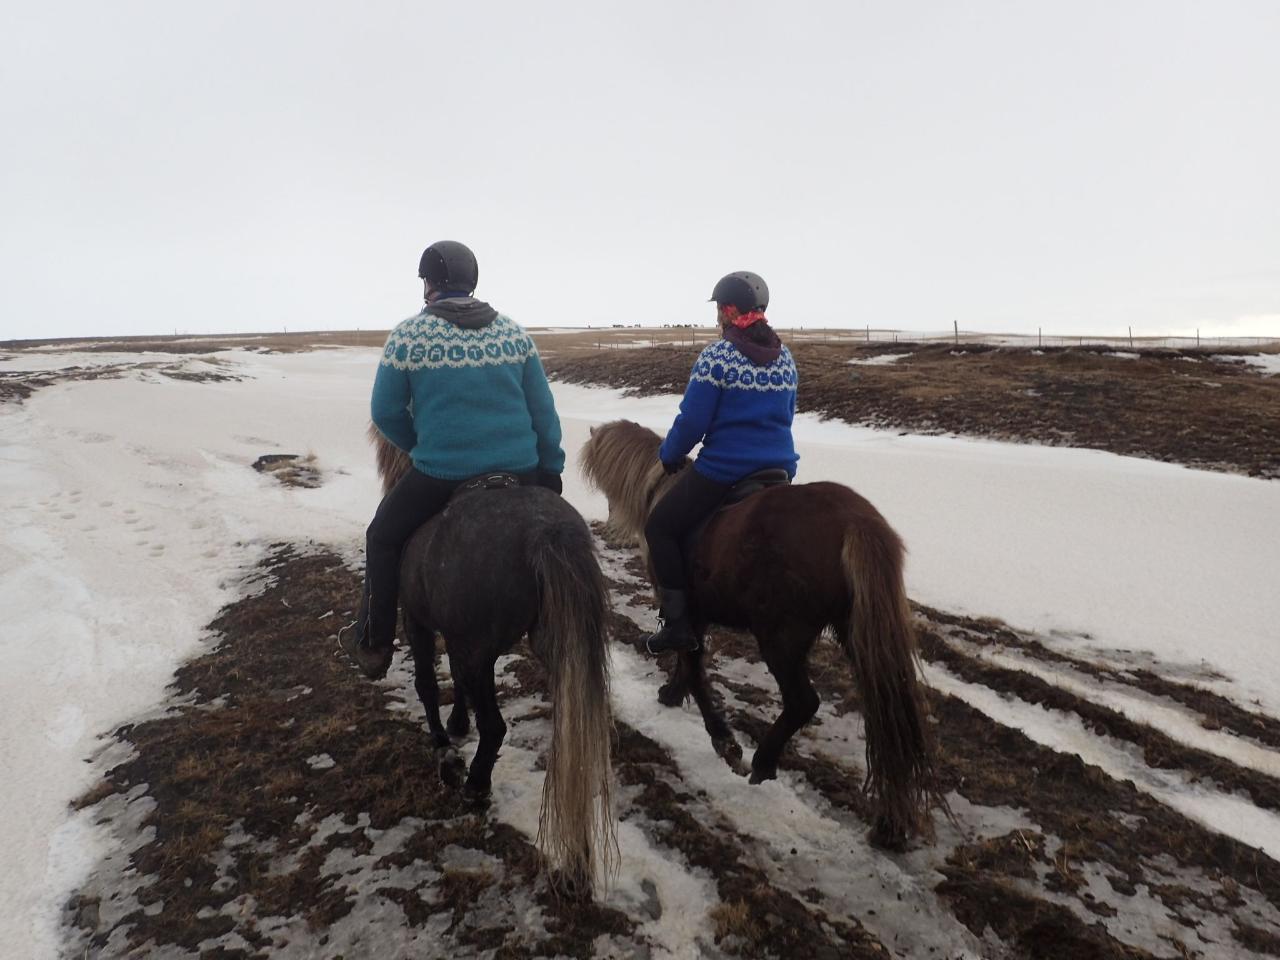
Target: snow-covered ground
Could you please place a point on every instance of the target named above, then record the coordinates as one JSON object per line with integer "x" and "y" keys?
{"x": 130, "y": 506}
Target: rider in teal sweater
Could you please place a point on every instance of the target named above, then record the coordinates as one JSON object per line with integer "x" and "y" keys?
{"x": 461, "y": 390}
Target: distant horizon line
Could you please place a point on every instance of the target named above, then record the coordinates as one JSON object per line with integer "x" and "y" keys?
{"x": 864, "y": 333}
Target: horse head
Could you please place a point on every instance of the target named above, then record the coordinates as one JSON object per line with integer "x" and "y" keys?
{"x": 620, "y": 459}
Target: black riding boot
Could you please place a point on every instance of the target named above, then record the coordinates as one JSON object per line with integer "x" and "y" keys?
{"x": 677, "y": 631}
{"x": 372, "y": 654}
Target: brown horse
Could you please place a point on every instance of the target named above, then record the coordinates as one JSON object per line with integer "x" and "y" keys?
{"x": 494, "y": 566}
{"x": 784, "y": 564}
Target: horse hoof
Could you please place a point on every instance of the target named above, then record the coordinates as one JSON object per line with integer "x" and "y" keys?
{"x": 884, "y": 835}
{"x": 451, "y": 767}
{"x": 669, "y": 695}
{"x": 760, "y": 776}
{"x": 476, "y": 796}
{"x": 459, "y": 724}
{"x": 727, "y": 749}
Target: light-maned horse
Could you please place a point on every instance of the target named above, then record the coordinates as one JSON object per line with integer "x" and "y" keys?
{"x": 492, "y": 567}
{"x": 784, "y": 564}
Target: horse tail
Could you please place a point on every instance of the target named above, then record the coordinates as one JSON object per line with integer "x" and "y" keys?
{"x": 576, "y": 829}
{"x": 881, "y": 644}
{"x": 393, "y": 463}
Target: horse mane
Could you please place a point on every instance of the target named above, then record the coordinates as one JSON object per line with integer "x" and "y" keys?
{"x": 620, "y": 459}
{"x": 393, "y": 463}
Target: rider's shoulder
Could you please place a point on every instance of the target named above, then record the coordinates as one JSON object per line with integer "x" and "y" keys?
{"x": 718, "y": 350}
{"x": 420, "y": 322}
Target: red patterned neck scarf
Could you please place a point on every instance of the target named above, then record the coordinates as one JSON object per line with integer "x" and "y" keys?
{"x": 743, "y": 320}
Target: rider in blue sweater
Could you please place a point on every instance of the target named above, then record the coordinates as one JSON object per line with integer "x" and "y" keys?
{"x": 739, "y": 403}
{"x": 461, "y": 389}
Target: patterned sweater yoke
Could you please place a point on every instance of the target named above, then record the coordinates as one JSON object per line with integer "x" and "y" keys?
{"x": 741, "y": 413}
{"x": 425, "y": 342}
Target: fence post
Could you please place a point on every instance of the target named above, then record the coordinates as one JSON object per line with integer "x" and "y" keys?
{"x": 955, "y": 324}
{"x": 1131, "y": 338}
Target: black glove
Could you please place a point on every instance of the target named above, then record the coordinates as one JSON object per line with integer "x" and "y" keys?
{"x": 674, "y": 468}
{"x": 551, "y": 481}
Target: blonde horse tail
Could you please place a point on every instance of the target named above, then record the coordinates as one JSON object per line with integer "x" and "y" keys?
{"x": 393, "y": 463}
{"x": 577, "y": 833}
{"x": 880, "y": 642}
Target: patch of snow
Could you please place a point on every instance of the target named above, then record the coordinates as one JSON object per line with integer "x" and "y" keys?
{"x": 879, "y": 361}
{"x": 1268, "y": 363}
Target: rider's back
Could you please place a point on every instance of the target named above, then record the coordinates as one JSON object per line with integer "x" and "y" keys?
{"x": 480, "y": 399}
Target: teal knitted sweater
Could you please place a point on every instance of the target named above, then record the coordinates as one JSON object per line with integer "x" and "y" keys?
{"x": 462, "y": 399}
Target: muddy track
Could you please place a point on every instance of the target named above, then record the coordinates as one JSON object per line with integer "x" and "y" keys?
{"x": 282, "y": 806}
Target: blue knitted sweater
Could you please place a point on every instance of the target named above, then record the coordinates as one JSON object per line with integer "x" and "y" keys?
{"x": 741, "y": 412}
{"x": 464, "y": 401}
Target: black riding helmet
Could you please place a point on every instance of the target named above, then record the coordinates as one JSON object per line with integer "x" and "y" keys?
{"x": 449, "y": 265}
{"x": 745, "y": 290}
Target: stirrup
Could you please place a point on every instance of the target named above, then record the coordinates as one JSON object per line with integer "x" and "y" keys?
{"x": 662, "y": 625}
{"x": 372, "y": 661}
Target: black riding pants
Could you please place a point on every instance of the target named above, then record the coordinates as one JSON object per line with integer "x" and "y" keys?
{"x": 407, "y": 506}
{"x": 688, "y": 502}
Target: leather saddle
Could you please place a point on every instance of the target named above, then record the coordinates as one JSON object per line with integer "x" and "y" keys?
{"x": 493, "y": 480}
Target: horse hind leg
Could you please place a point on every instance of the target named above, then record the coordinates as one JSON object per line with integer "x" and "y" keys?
{"x": 459, "y": 724}
{"x": 788, "y": 661}
{"x": 484, "y": 696}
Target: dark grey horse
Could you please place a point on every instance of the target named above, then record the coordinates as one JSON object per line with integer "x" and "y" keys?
{"x": 493, "y": 567}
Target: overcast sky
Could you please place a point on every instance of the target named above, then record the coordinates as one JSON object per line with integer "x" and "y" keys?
{"x": 217, "y": 167}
